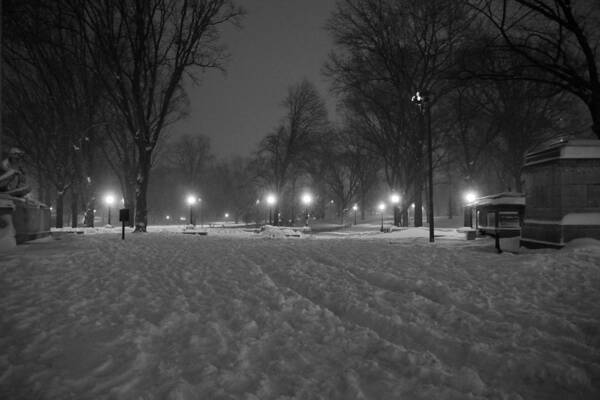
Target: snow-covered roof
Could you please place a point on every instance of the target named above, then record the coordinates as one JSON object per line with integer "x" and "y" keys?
{"x": 505, "y": 198}
{"x": 565, "y": 149}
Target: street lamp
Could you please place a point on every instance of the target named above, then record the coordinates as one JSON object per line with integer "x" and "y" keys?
{"x": 423, "y": 102}
{"x": 306, "y": 200}
{"x": 271, "y": 200}
{"x": 109, "y": 199}
{"x": 381, "y": 208}
{"x": 395, "y": 200}
{"x": 355, "y": 208}
{"x": 191, "y": 200}
{"x": 470, "y": 197}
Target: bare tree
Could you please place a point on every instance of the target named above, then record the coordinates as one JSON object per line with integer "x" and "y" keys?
{"x": 339, "y": 164}
{"x": 386, "y": 51}
{"x": 284, "y": 153}
{"x": 142, "y": 50}
{"x": 190, "y": 156}
{"x": 557, "y": 42}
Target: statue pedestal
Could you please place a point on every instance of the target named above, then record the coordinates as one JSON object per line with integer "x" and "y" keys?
{"x": 7, "y": 228}
{"x": 22, "y": 219}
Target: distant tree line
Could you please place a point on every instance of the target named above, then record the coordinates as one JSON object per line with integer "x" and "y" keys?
{"x": 90, "y": 86}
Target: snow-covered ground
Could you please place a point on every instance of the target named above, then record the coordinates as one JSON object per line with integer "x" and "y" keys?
{"x": 235, "y": 314}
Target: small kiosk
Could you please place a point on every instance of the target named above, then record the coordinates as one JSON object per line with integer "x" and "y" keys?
{"x": 498, "y": 214}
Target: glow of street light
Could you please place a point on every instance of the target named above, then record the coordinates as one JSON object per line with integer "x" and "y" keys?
{"x": 191, "y": 199}
{"x": 355, "y": 207}
{"x": 109, "y": 199}
{"x": 470, "y": 197}
{"x": 182, "y": 218}
{"x": 167, "y": 217}
{"x": 307, "y": 198}
{"x": 395, "y": 198}
{"x": 381, "y": 206}
{"x": 226, "y": 215}
{"x": 271, "y": 199}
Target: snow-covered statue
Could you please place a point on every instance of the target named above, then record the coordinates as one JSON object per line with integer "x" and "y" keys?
{"x": 12, "y": 174}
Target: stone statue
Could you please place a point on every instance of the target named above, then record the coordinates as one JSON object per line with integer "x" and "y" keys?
{"x": 12, "y": 174}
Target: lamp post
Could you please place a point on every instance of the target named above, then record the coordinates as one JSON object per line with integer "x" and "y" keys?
{"x": 191, "y": 200}
{"x": 423, "y": 102}
{"x": 381, "y": 208}
{"x": 306, "y": 200}
{"x": 257, "y": 216}
{"x": 271, "y": 200}
{"x": 395, "y": 200}
{"x": 355, "y": 208}
{"x": 109, "y": 199}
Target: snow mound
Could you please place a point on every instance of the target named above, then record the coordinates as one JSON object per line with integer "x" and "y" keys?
{"x": 583, "y": 243}
{"x": 279, "y": 232}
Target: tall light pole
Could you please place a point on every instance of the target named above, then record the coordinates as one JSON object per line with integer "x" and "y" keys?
{"x": 381, "y": 208}
{"x": 355, "y": 208}
{"x": 423, "y": 102}
{"x": 257, "y": 212}
{"x": 191, "y": 200}
{"x": 271, "y": 200}
{"x": 306, "y": 200}
{"x": 109, "y": 199}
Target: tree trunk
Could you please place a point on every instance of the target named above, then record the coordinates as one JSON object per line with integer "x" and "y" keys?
{"x": 594, "y": 107}
{"x": 141, "y": 191}
{"x": 404, "y": 216}
{"x": 517, "y": 179}
{"x": 363, "y": 196}
{"x": 129, "y": 203}
{"x": 450, "y": 200}
{"x": 74, "y": 210}
{"x": 60, "y": 206}
{"x": 89, "y": 213}
{"x": 419, "y": 203}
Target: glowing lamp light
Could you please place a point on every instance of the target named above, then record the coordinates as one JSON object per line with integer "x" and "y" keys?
{"x": 109, "y": 199}
{"x": 355, "y": 207}
{"x": 395, "y": 198}
{"x": 307, "y": 198}
{"x": 191, "y": 200}
{"x": 381, "y": 206}
{"x": 470, "y": 197}
{"x": 271, "y": 199}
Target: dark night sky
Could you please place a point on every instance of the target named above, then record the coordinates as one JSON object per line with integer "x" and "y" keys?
{"x": 280, "y": 43}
